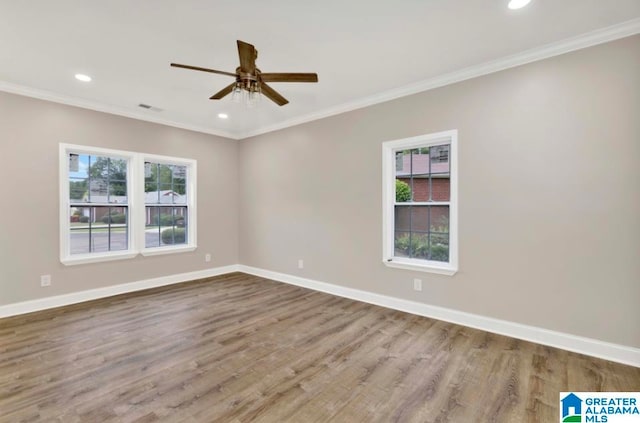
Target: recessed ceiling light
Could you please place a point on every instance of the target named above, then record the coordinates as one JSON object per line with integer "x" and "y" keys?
{"x": 82, "y": 77}
{"x": 518, "y": 4}
{"x": 223, "y": 115}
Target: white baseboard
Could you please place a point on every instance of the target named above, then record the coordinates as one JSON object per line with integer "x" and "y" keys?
{"x": 588, "y": 346}
{"x": 108, "y": 291}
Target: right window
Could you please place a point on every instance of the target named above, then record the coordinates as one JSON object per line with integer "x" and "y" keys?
{"x": 169, "y": 197}
{"x": 420, "y": 203}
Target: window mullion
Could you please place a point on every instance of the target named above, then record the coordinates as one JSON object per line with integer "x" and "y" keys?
{"x": 109, "y": 180}
{"x": 422, "y": 203}
{"x": 429, "y": 229}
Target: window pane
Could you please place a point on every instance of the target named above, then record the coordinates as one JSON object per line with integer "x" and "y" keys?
{"x": 107, "y": 179}
{"x": 174, "y": 235}
{"x": 98, "y": 229}
{"x": 151, "y": 182}
{"x": 165, "y": 226}
{"x": 403, "y": 163}
{"x": 439, "y": 219}
{"x": 165, "y": 184}
{"x": 165, "y": 172}
{"x": 110, "y": 232}
{"x": 164, "y": 180}
{"x": 152, "y": 227}
{"x": 420, "y": 245}
{"x": 401, "y": 244}
{"x": 439, "y": 154}
{"x": 434, "y": 188}
{"x": 117, "y": 178}
{"x": 403, "y": 190}
{"x": 180, "y": 191}
{"x": 117, "y": 191}
{"x": 440, "y": 187}
{"x": 439, "y": 233}
{"x": 179, "y": 174}
{"x": 78, "y": 177}
{"x": 411, "y": 244}
{"x": 403, "y": 218}
{"x": 422, "y": 232}
{"x": 425, "y": 171}
{"x": 98, "y": 190}
{"x": 151, "y": 197}
{"x": 419, "y": 162}
{"x": 80, "y": 167}
{"x": 165, "y": 217}
{"x": 79, "y": 219}
{"x": 78, "y": 189}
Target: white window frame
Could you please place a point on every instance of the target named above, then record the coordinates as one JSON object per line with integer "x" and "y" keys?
{"x": 136, "y": 205}
{"x": 191, "y": 186}
{"x": 389, "y": 148}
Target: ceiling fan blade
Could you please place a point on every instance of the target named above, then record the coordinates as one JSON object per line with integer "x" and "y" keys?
{"x": 289, "y": 77}
{"x": 273, "y": 95}
{"x": 248, "y": 55}
{"x": 177, "y": 65}
{"x": 226, "y": 90}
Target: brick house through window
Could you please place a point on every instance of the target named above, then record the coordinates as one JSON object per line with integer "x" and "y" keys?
{"x": 428, "y": 177}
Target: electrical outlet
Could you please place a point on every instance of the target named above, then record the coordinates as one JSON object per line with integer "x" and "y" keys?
{"x": 300, "y": 264}
{"x": 417, "y": 284}
{"x": 207, "y": 257}
{"x": 45, "y": 280}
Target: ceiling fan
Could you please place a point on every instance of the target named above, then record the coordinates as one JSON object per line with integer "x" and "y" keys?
{"x": 250, "y": 81}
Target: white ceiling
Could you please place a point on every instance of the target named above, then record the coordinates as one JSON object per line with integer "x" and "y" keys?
{"x": 364, "y": 51}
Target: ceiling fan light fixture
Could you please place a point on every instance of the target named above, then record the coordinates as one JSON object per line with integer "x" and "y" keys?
{"x": 518, "y": 4}
{"x": 237, "y": 94}
{"x": 247, "y": 92}
{"x": 253, "y": 94}
{"x": 253, "y": 98}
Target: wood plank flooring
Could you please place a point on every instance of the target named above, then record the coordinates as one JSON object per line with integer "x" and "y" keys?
{"x": 239, "y": 348}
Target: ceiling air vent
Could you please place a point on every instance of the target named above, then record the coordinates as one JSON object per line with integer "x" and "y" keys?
{"x": 148, "y": 107}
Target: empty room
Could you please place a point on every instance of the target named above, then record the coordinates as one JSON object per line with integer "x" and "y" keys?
{"x": 340, "y": 211}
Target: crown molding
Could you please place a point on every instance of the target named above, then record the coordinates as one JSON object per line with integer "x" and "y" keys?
{"x": 589, "y": 39}
{"x": 104, "y": 108}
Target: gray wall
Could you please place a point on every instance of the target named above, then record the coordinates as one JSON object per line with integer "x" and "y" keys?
{"x": 549, "y": 194}
{"x": 30, "y": 131}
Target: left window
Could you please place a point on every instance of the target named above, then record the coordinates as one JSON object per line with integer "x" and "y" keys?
{"x": 102, "y": 204}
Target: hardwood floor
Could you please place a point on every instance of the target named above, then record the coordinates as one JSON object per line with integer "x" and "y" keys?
{"x": 239, "y": 348}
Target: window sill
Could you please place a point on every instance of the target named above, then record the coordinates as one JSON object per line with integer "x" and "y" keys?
{"x": 94, "y": 258}
{"x": 421, "y": 266}
{"x": 168, "y": 250}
